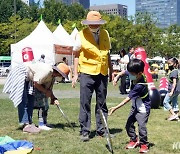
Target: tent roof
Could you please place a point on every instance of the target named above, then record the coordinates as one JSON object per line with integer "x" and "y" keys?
{"x": 63, "y": 36}
{"x": 157, "y": 58}
{"x": 40, "y": 36}
{"x": 74, "y": 33}
{"x": 41, "y": 40}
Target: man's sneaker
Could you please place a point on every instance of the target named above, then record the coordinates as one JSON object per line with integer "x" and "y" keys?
{"x": 144, "y": 148}
{"x": 44, "y": 127}
{"x": 31, "y": 129}
{"x": 132, "y": 144}
{"x": 172, "y": 117}
{"x": 84, "y": 138}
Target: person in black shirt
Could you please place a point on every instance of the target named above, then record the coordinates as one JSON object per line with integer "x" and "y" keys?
{"x": 141, "y": 105}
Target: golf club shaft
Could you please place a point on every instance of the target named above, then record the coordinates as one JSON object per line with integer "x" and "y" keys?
{"x": 106, "y": 129}
{"x": 65, "y": 117}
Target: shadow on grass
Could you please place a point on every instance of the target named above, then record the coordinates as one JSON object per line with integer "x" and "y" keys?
{"x": 19, "y": 128}
{"x": 56, "y": 126}
{"x": 151, "y": 145}
{"x": 115, "y": 130}
{"x": 63, "y": 125}
{"x": 112, "y": 131}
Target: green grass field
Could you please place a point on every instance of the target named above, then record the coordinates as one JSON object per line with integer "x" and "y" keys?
{"x": 162, "y": 134}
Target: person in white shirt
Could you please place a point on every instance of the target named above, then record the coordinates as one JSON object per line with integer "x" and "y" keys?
{"x": 123, "y": 66}
{"x": 42, "y": 58}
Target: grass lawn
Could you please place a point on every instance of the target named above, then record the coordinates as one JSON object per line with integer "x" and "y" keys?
{"x": 62, "y": 139}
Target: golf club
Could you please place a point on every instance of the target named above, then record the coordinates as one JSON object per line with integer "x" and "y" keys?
{"x": 69, "y": 123}
{"x": 105, "y": 125}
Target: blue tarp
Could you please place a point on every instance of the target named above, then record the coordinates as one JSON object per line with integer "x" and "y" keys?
{"x": 5, "y": 139}
{"x": 19, "y": 144}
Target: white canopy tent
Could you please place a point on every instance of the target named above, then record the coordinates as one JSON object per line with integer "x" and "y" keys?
{"x": 74, "y": 33}
{"x": 41, "y": 40}
{"x": 68, "y": 48}
{"x": 63, "y": 36}
{"x": 158, "y": 58}
{"x": 75, "y": 36}
{"x": 69, "y": 45}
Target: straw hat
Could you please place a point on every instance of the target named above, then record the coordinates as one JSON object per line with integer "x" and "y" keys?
{"x": 63, "y": 69}
{"x": 93, "y": 18}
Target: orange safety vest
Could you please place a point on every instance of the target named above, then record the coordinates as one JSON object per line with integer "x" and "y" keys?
{"x": 93, "y": 58}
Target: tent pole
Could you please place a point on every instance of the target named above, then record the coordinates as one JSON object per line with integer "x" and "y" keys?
{"x": 72, "y": 65}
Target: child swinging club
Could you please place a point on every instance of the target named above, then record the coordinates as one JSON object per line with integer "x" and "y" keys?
{"x": 141, "y": 105}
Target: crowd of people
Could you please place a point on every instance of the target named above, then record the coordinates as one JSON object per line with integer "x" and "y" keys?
{"x": 92, "y": 65}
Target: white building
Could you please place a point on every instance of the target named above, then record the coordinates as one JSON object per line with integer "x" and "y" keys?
{"x": 28, "y": 2}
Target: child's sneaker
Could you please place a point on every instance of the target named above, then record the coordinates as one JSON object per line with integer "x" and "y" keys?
{"x": 31, "y": 128}
{"x": 173, "y": 117}
{"x": 144, "y": 148}
{"x": 44, "y": 127}
{"x": 132, "y": 144}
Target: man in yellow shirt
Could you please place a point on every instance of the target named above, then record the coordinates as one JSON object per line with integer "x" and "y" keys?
{"x": 92, "y": 62}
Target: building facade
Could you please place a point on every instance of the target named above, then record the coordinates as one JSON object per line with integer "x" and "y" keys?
{"x": 84, "y": 3}
{"x": 66, "y": 1}
{"x": 114, "y": 9}
{"x": 28, "y": 2}
{"x": 164, "y": 12}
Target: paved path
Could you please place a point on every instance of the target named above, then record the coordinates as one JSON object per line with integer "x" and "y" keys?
{"x": 71, "y": 93}
{"x": 2, "y": 80}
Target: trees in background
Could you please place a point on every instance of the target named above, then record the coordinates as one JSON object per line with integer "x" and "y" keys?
{"x": 13, "y": 31}
{"x": 170, "y": 41}
{"x": 140, "y": 30}
{"x": 8, "y": 9}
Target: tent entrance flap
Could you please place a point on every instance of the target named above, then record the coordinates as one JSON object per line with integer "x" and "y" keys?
{"x": 62, "y": 51}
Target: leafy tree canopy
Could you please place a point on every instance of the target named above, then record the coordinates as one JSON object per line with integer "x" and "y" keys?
{"x": 140, "y": 30}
